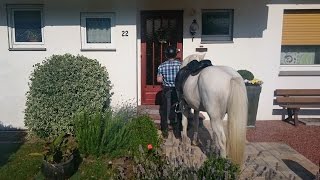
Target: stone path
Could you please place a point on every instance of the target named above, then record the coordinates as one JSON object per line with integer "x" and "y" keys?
{"x": 276, "y": 161}
{"x": 262, "y": 161}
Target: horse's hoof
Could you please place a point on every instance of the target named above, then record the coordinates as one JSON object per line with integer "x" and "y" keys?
{"x": 195, "y": 143}
{"x": 195, "y": 139}
{"x": 184, "y": 139}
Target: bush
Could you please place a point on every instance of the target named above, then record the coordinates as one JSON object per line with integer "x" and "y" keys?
{"x": 90, "y": 131}
{"x": 61, "y": 86}
{"x": 141, "y": 130}
{"x": 216, "y": 167}
{"x": 98, "y": 133}
{"x": 246, "y": 74}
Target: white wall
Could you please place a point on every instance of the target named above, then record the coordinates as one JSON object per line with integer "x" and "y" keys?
{"x": 62, "y": 35}
{"x": 256, "y": 46}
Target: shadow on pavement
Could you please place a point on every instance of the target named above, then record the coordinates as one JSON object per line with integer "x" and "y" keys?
{"x": 298, "y": 169}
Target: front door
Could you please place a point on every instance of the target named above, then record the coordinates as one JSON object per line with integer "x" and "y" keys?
{"x": 159, "y": 29}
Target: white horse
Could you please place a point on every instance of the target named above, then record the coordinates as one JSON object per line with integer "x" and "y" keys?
{"x": 218, "y": 90}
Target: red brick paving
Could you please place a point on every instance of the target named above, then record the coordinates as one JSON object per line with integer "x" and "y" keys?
{"x": 302, "y": 138}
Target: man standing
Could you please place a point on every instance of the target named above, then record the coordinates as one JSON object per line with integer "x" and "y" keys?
{"x": 167, "y": 72}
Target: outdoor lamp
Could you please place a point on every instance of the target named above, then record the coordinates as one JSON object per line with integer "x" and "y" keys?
{"x": 194, "y": 27}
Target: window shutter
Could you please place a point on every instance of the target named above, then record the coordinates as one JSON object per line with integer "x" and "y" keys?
{"x": 301, "y": 27}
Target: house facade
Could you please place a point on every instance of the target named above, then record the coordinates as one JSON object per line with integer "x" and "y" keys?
{"x": 268, "y": 37}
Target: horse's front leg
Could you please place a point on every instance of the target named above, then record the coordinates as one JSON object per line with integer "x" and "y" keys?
{"x": 196, "y": 127}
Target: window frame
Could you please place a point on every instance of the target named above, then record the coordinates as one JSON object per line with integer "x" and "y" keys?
{"x": 13, "y": 45}
{"x": 218, "y": 38}
{"x": 297, "y": 69}
{"x": 97, "y": 46}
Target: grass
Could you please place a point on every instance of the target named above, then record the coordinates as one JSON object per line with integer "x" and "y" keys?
{"x": 23, "y": 164}
{"x": 93, "y": 168}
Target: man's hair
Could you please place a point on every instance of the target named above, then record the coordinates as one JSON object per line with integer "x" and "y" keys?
{"x": 170, "y": 52}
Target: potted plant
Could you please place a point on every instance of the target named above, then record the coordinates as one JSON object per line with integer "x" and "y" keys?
{"x": 61, "y": 157}
{"x": 253, "y": 87}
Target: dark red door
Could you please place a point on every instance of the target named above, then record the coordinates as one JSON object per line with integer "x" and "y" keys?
{"x": 159, "y": 29}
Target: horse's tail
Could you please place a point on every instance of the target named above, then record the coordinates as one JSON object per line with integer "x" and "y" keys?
{"x": 237, "y": 120}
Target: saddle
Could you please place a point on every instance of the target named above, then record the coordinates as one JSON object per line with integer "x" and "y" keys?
{"x": 192, "y": 68}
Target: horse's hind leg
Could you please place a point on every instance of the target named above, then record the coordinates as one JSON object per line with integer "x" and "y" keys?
{"x": 218, "y": 134}
{"x": 185, "y": 115}
{"x": 196, "y": 127}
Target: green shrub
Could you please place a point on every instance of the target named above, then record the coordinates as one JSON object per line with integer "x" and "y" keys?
{"x": 61, "y": 86}
{"x": 141, "y": 130}
{"x": 100, "y": 132}
{"x": 89, "y": 131}
{"x": 216, "y": 167}
{"x": 246, "y": 74}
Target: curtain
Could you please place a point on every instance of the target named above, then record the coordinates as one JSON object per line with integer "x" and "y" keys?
{"x": 98, "y": 30}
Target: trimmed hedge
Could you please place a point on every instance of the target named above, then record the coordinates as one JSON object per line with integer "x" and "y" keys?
{"x": 61, "y": 86}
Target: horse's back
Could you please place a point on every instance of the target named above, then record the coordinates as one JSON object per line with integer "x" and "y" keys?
{"x": 217, "y": 76}
{"x": 214, "y": 85}
{"x": 210, "y": 87}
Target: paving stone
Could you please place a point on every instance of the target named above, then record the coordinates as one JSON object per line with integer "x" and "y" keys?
{"x": 261, "y": 159}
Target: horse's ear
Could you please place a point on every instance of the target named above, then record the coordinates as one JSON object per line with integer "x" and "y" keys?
{"x": 202, "y": 56}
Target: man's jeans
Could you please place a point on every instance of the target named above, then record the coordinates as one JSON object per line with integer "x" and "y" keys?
{"x": 169, "y": 97}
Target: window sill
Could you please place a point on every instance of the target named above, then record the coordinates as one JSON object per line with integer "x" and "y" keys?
{"x": 97, "y": 49}
{"x": 215, "y": 42}
{"x": 299, "y": 73}
{"x": 299, "y": 70}
{"x": 27, "y": 49}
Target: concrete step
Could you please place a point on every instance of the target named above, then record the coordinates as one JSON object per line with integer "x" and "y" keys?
{"x": 152, "y": 111}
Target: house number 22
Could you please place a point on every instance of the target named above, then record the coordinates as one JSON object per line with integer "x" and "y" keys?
{"x": 125, "y": 33}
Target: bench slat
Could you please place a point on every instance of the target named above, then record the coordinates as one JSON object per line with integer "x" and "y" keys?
{"x": 299, "y": 100}
{"x": 295, "y": 99}
{"x": 295, "y": 92}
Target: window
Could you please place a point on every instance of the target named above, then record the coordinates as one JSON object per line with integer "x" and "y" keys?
{"x": 97, "y": 31}
{"x": 217, "y": 25}
{"x": 300, "y": 55}
{"x": 25, "y": 27}
{"x": 301, "y": 37}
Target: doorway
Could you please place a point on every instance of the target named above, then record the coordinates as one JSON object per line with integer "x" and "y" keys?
{"x": 159, "y": 29}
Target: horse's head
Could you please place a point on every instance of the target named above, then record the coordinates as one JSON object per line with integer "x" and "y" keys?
{"x": 191, "y": 57}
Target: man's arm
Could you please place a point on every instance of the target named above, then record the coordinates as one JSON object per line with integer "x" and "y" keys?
{"x": 159, "y": 78}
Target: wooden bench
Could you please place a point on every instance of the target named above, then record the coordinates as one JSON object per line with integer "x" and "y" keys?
{"x": 295, "y": 99}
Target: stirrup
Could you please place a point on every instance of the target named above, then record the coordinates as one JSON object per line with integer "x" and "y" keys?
{"x": 177, "y": 108}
